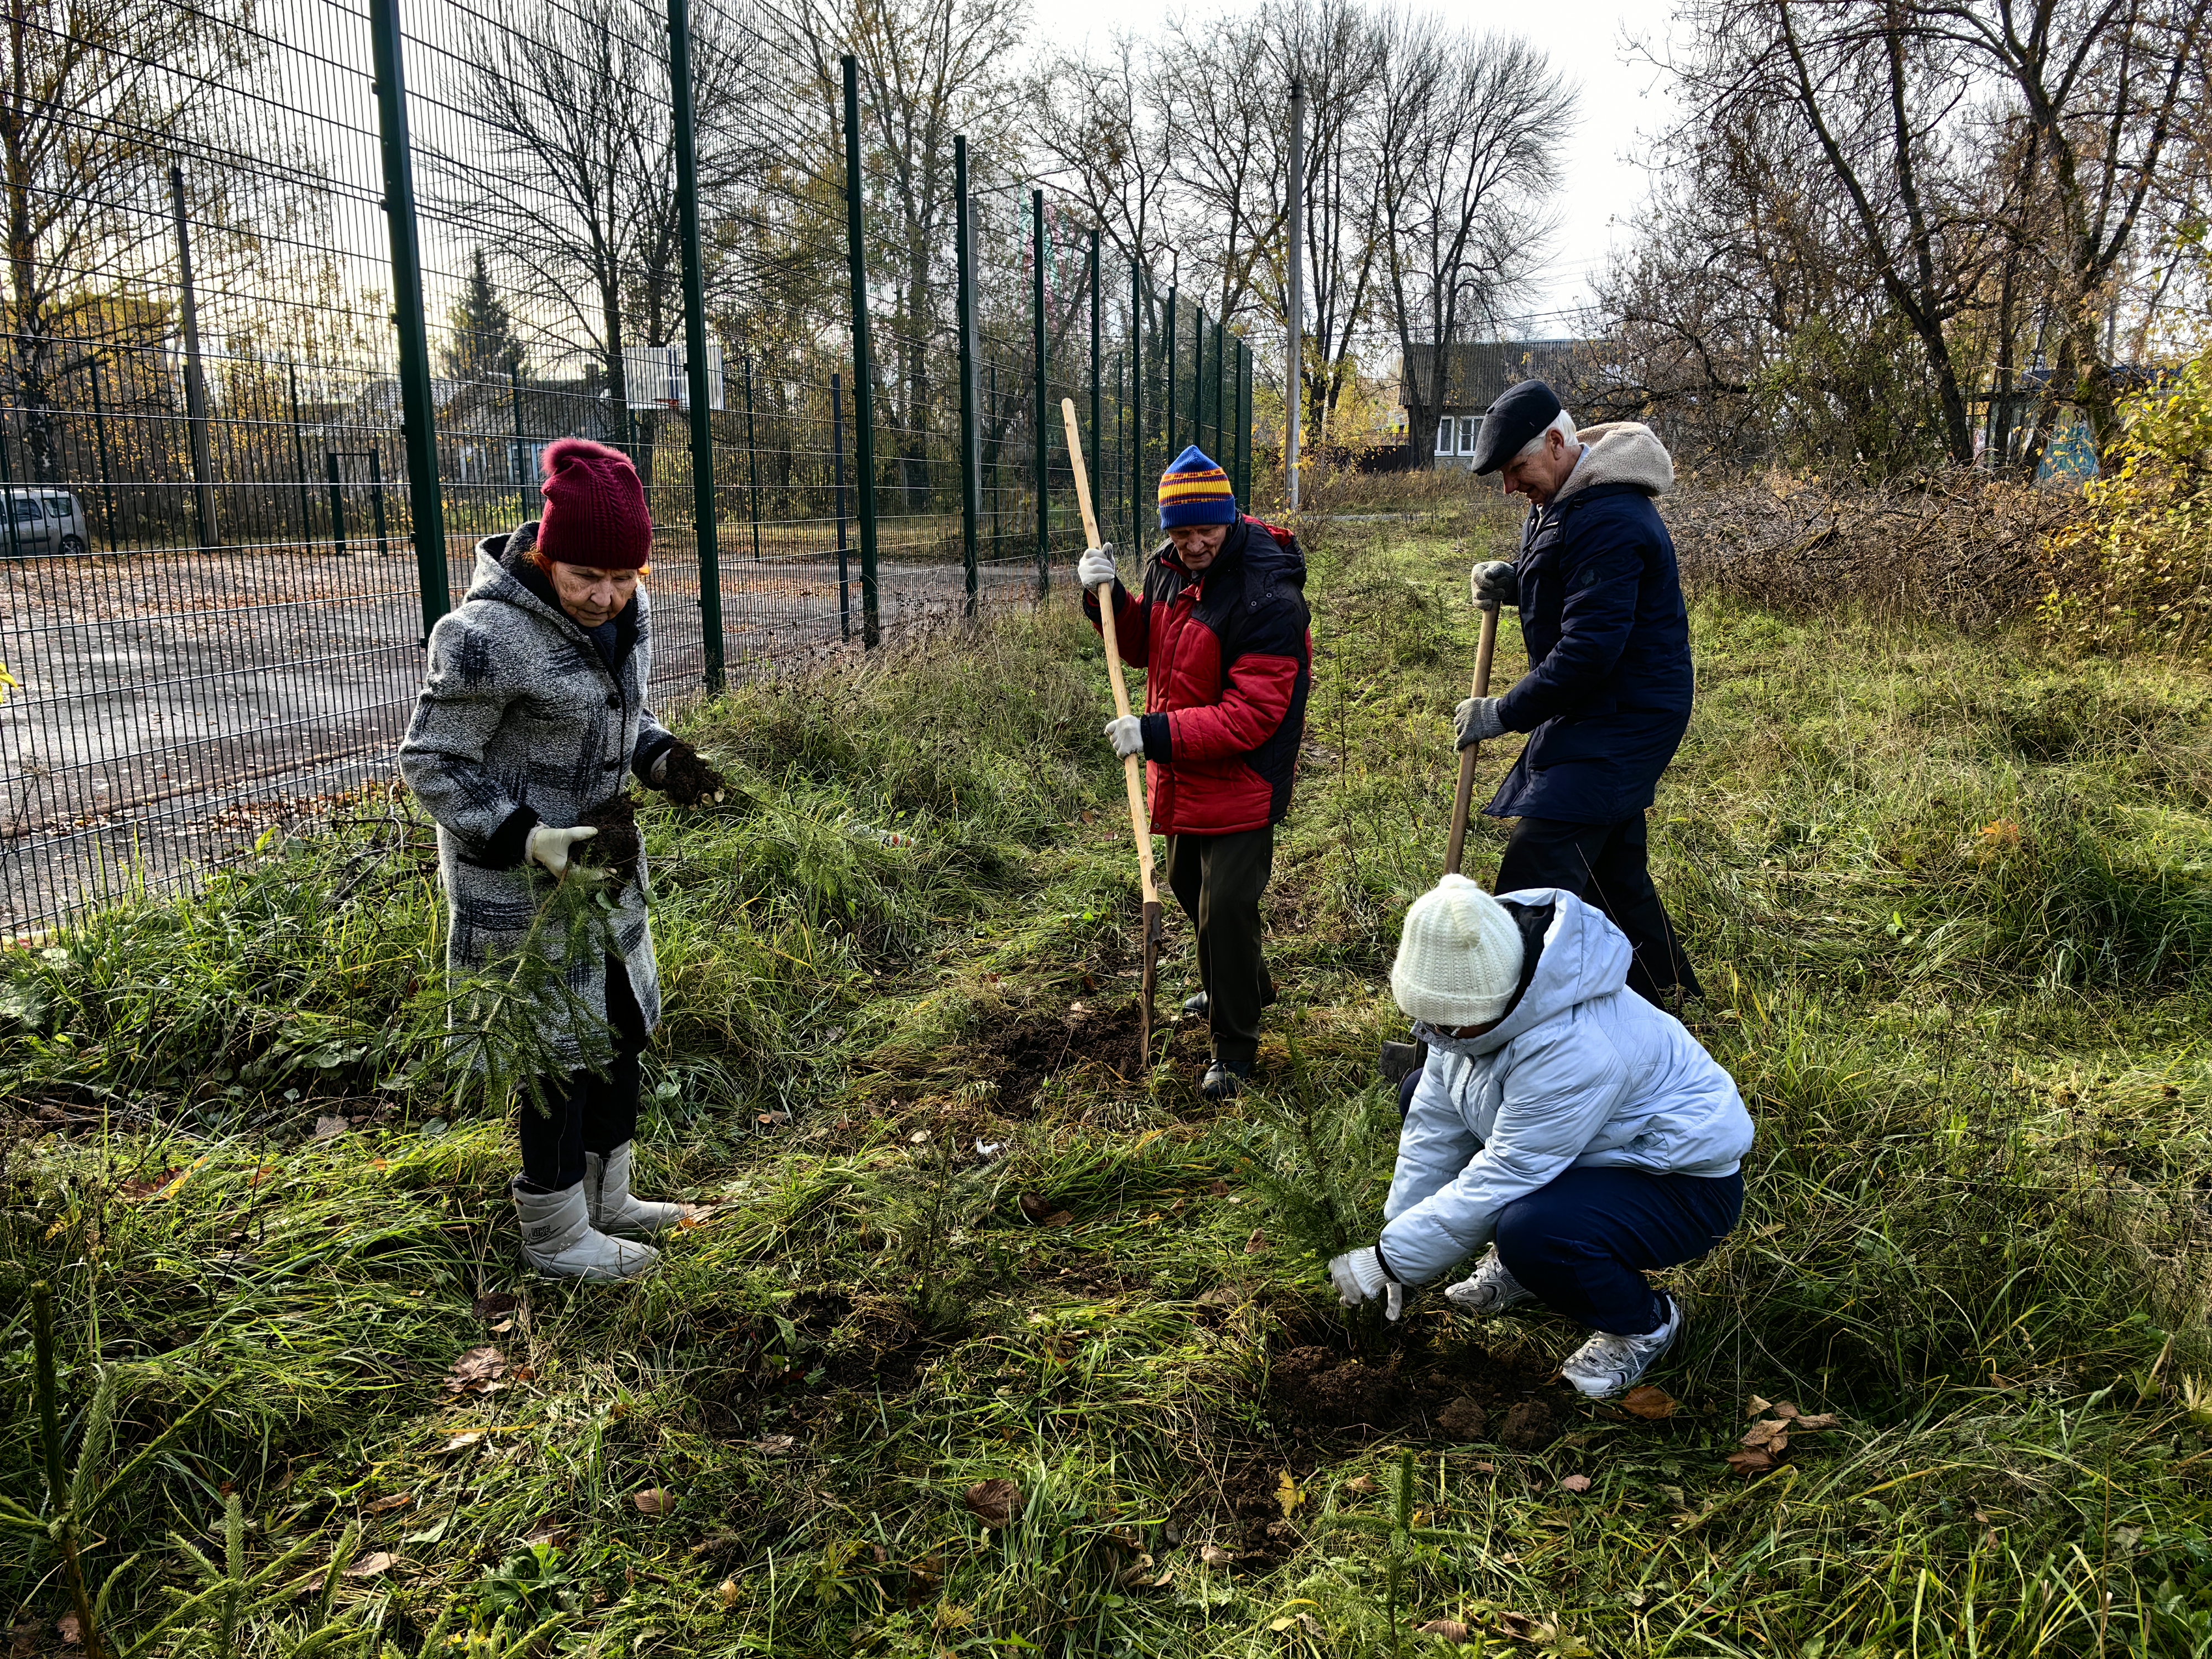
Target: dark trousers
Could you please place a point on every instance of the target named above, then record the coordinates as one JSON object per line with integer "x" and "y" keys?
{"x": 1604, "y": 866}
{"x": 1219, "y": 880}
{"x": 589, "y": 1111}
{"x": 1584, "y": 1242}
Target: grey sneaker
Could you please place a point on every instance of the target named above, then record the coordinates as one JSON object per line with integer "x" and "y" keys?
{"x": 1490, "y": 1290}
{"x": 1607, "y": 1365}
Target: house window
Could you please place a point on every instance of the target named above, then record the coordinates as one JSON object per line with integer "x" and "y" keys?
{"x": 1444, "y": 437}
{"x": 1469, "y": 425}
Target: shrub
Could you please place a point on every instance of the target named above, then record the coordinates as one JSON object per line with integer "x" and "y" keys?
{"x": 2136, "y": 570}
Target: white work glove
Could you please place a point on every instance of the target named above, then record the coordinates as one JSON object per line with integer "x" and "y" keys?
{"x": 1126, "y": 734}
{"x": 1493, "y": 582}
{"x": 553, "y": 848}
{"x": 1096, "y": 568}
{"x": 1359, "y": 1276}
{"x": 1477, "y": 721}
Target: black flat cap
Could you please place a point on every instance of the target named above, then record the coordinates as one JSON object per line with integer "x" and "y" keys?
{"x": 1520, "y": 413}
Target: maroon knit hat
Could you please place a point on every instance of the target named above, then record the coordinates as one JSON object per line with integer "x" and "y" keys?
{"x": 595, "y": 512}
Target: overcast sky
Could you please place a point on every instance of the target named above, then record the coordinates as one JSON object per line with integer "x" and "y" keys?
{"x": 1620, "y": 99}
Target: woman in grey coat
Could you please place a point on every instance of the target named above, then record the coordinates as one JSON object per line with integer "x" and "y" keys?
{"x": 532, "y": 720}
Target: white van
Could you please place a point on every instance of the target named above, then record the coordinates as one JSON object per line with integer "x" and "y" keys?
{"x": 47, "y": 521}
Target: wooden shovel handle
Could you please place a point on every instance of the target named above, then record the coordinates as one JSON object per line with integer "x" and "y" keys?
{"x": 1463, "y": 802}
{"x": 1131, "y": 773}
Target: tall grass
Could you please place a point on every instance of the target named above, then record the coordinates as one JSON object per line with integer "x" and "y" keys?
{"x": 1950, "y": 898}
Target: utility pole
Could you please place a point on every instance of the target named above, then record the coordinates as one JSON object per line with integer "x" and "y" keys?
{"x": 695, "y": 344}
{"x": 196, "y": 408}
{"x": 1294, "y": 367}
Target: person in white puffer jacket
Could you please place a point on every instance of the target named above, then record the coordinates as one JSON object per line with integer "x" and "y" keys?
{"x": 1561, "y": 1119}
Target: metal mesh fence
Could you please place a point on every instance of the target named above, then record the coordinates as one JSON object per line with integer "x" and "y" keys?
{"x": 307, "y": 287}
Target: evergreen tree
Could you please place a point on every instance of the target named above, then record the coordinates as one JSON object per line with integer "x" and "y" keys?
{"x": 483, "y": 344}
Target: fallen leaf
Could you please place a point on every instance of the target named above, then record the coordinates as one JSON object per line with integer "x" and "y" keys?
{"x": 492, "y": 1304}
{"x": 475, "y": 1371}
{"x": 1450, "y": 1629}
{"x": 994, "y": 1503}
{"x": 1786, "y": 1410}
{"x": 1519, "y": 1624}
{"x": 72, "y": 1633}
{"x": 1304, "y": 1621}
{"x": 1287, "y": 1493}
{"x": 330, "y": 1128}
{"x": 1818, "y": 1420}
{"x": 461, "y": 1441}
{"x": 1213, "y": 1555}
{"x": 1486, "y": 1469}
{"x": 1771, "y": 1431}
{"x": 1758, "y": 1405}
{"x": 368, "y": 1566}
{"x": 397, "y": 1500}
{"x": 730, "y": 1595}
{"x": 773, "y": 1120}
{"x": 776, "y": 1445}
{"x": 1364, "y": 1485}
{"x": 1037, "y": 1207}
{"x": 543, "y": 1535}
{"x": 1220, "y": 1189}
{"x": 1576, "y": 1483}
{"x": 1652, "y": 1404}
{"x": 1750, "y": 1463}
{"x": 266, "y": 1172}
{"x": 1058, "y": 1218}
{"x": 920, "y": 1137}
{"x": 1257, "y": 1244}
{"x": 654, "y": 1500}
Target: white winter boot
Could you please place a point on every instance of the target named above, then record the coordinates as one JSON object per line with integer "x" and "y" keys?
{"x": 560, "y": 1242}
{"x": 1489, "y": 1290}
{"x": 1607, "y": 1365}
{"x": 614, "y": 1208}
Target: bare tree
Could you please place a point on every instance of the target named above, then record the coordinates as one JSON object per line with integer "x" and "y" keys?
{"x": 1103, "y": 127}
{"x": 581, "y": 175}
{"x": 98, "y": 97}
{"x": 1470, "y": 140}
{"x": 928, "y": 70}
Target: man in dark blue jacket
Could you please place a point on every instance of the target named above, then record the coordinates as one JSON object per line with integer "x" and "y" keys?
{"x": 1608, "y": 695}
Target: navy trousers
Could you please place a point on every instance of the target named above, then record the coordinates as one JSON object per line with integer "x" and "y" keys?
{"x": 1583, "y": 1243}
{"x": 1603, "y": 864}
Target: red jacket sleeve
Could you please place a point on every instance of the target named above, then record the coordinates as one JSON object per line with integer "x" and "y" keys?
{"x": 1252, "y": 706}
{"x": 1132, "y": 627}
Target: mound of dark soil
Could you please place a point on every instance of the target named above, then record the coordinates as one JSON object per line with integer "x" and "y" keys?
{"x": 1459, "y": 1391}
{"x": 615, "y": 848}
{"x": 689, "y": 779}
{"x": 1321, "y": 1389}
{"x": 1022, "y": 1054}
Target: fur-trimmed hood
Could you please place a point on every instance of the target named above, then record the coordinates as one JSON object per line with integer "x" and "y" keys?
{"x": 1621, "y": 452}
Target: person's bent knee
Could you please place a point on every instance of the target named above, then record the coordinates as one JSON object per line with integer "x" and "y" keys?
{"x": 1525, "y": 1240}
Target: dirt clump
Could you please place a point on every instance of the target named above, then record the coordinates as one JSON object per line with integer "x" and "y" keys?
{"x": 1321, "y": 1389}
{"x": 689, "y": 779}
{"x": 616, "y": 847}
{"x": 1465, "y": 1419}
{"x": 1529, "y": 1426}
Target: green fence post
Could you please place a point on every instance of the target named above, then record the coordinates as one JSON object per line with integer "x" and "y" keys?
{"x": 1244, "y": 422}
{"x": 1223, "y": 451}
{"x": 418, "y": 416}
{"x": 695, "y": 342}
{"x": 299, "y": 459}
{"x": 107, "y": 471}
{"x": 1198, "y": 425}
{"x": 971, "y": 459}
{"x": 1043, "y": 427}
{"x": 1167, "y": 400}
{"x": 1097, "y": 414}
{"x": 864, "y": 379}
{"x": 752, "y": 461}
{"x": 1136, "y": 403}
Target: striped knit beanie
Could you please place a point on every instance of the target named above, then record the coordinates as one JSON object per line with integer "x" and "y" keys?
{"x": 1194, "y": 490}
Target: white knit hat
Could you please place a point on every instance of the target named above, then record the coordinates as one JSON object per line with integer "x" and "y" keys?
{"x": 1459, "y": 959}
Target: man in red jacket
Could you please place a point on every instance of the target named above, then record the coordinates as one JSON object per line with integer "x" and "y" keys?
{"x": 1222, "y": 635}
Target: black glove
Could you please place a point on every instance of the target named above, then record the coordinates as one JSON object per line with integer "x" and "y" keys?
{"x": 686, "y": 777}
